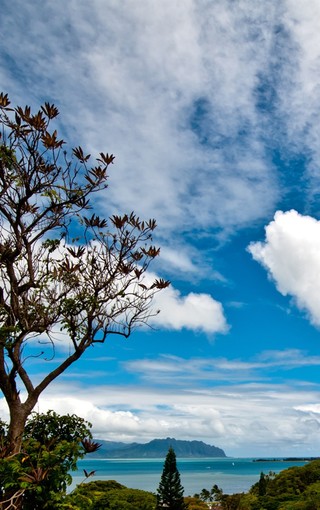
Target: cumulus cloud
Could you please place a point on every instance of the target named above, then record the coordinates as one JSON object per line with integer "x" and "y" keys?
{"x": 290, "y": 254}
{"x": 199, "y": 312}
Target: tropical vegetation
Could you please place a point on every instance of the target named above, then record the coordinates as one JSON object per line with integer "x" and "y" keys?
{"x": 38, "y": 476}
{"x": 295, "y": 488}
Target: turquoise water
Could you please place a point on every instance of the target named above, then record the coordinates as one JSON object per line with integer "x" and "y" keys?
{"x": 230, "y": 474}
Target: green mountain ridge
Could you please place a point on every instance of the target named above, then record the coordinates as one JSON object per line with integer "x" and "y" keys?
{"x": 157, "y": 448}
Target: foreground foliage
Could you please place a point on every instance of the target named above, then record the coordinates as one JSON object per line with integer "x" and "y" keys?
{"x": 101, "y": 495}
{"x": 38, "y": 476}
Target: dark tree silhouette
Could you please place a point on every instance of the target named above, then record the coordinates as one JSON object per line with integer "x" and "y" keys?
{"x": 263, "y": 483}
{"x": 170, "y": 490}
{"x": 63, "y": 270}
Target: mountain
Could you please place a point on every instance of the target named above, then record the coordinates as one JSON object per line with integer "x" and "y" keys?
{"x": 157, "y": 448}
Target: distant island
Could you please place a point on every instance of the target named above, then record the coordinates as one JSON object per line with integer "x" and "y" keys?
{"x": 157, "y": 448}
{"x": 287, "y": 459}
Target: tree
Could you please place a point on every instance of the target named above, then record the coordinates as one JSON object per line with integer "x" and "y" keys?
{"x": 205, "y": 495}
{"x": 262, "y": 484}
{"x": 194, "y": 503}
{"x": 62, "y": 269}
{"x": 37, "y": 477}
{"x": 112, "y": 495}
{"x": 215, "y": 494}
{"x": 133, "y": 499}
{"x": 86, "y": 496}
{"x": 170, "y": 490}
{"x": 293, "y": 488}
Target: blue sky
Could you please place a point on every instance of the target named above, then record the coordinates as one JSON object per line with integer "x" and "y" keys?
{"x": 212, "y": 111}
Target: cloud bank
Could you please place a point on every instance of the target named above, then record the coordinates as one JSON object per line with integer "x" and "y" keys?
{"x": 283, "y": 419}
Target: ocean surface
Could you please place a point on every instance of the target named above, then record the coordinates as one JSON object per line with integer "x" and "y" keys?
{"x": 230, "y": 474}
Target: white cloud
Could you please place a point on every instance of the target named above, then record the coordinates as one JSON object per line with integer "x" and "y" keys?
{"x": 290, "y": 254}
{"x": 179, "y": 260}
{"x": 299, "y": 92}
{"x": 173, "y": 91}
{"x": 148, "y": 83}
{"x": 162, "y": 369}
{"x": 199, "y": 312}
{"x": 309, "y": 408}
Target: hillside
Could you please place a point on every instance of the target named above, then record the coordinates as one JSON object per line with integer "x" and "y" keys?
{"x": 157, "y": 448}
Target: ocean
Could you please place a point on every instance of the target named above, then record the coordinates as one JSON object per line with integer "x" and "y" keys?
{"x": 230, "y": 474}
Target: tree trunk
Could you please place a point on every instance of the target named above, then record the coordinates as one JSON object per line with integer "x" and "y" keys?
{"x": 18, "y": 417}
{"x": 19, "y": 412}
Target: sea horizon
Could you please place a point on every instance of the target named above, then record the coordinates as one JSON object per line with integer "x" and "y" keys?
{"x": 231, "y": 474}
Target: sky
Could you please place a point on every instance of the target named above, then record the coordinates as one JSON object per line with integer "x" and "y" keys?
{"x": 212, "y": 111}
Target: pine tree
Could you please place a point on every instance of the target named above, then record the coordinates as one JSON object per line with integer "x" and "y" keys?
{"x": 170, "y": 490}
{"x": 262, "y": 484}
